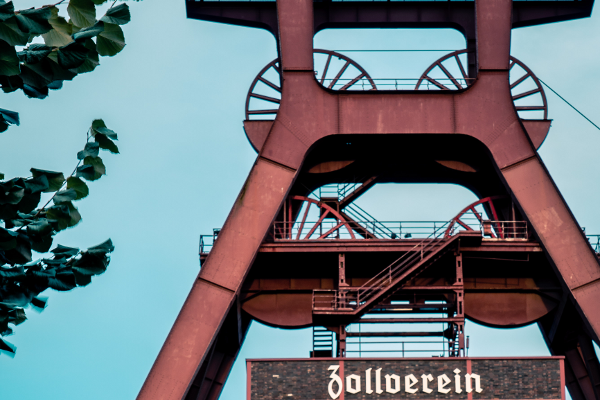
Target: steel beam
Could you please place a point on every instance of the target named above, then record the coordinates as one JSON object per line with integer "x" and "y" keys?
{"x": 214, "y": 292}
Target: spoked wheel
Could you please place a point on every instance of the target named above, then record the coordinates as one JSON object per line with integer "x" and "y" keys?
{"x": 449, "y": 73}
{"x": 328, "y": 226}
{"x": 333, "y": 70}
{"x": 471, "y": 217}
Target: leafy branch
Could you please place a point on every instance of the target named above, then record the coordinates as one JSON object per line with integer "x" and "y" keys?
{"x": 70, "y": 47}
{"x": 27, "y": 228}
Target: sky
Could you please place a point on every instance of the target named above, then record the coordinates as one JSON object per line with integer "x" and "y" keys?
{"x": 175, "y": 96}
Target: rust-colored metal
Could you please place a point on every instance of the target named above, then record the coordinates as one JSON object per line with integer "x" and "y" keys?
{"x": 472, "y": 136}
{"x": 328, "y": 77}
{"x": 463, "y": 81}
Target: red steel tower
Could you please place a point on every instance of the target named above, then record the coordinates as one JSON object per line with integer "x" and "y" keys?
{"x": 297, "y": 252}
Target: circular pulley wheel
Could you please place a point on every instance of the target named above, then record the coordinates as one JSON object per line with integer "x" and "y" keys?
{"x": 338, "y": 73}
{"x": 449, "y": 73}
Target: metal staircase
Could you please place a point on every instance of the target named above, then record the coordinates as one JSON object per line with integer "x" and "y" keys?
{"x": 357, "y": 301}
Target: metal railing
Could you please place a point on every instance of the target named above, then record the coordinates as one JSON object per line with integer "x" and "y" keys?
{"x": 595, "y": 242}
{"x": 364, "y": 84}
{"x": 504, "y": 230}
{"x": 373, "y": 227}
{"x": 339, "y": 190}
{"x": 377, "y": 230}
{"x": 403, "y": 348}
{"x": 354, "y": 298}
{"x": 207, "y": 242}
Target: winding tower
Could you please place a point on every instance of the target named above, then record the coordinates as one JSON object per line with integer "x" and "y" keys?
{"x": 296, "y": 251}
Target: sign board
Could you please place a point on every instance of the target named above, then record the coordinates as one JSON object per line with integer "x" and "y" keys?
{"x": 406, "y": 378}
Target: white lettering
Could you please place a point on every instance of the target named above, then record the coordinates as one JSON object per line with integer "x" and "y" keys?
{"x": 457, "y": 388}
{"x": 368, "y": 381}
{"x": 409, "y": 382}
{"x": 388, "y": 383}
{"x": 353, "y": 383}
{"x": 334, "y": 379}
{"x": 426, "y": 378}
{"x": 443, "y": 381}
{"x": 378, "y": 381}
{"x": 468, "y": 382}
{"x": 353, "y": 388}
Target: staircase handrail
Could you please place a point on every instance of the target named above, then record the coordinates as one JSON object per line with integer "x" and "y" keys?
{"x": 369, "y": 218}
{"x": 375, "y": 284}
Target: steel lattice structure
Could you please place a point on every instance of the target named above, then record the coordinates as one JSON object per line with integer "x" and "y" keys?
{"x": 514, "y": 257}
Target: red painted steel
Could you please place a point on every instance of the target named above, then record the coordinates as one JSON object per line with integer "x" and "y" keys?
{"x": 249, "y": 374}
{"x": 310, "y": 114}
{"x": 489, "y": 202}
{"x": 406, "y": 358}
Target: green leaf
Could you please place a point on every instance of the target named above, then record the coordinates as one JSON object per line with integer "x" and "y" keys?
{"x": 106, "y": 143}
{"x": 86, "y": 172}
{"x": 12, "y": 192}
{"x": 78, "y": 186}
{"x": 82, "y": 12}
{"x": 59, "y": 216}
{"x": 98, "y": 2}
{"x": 55, "y": 179}
{"x": 117, "y": 15}
{"x": 41, "y": 244}
{"x": 34, "y": 53}
{"x": 62, "y": 281}
{"x": 17, "y": 316}
{"x": 37, "y": 184}
{"x": 72, "y": 55}
{"x": 94, "y": 260}
{"x": 97, "y": 164}
{"x": 92, "y": 60}
{"x": 22, "y": 252}
{"x": 37, "y": 76}
{"x": 55, "y": 85}
{"x": 107, "y": 132}
{"x": 7, "y": 10}
{"x": 40, "y": 227}
{"x": 9, "y": 61}
{"x": 39, "y": 302}
{"x": 64, "y": 196}
{"x": 60, "y": 35}
{"x": 5, "y": 346}
{"x": 90, "y": 32}
{"x": 8, "y": 239}
{"x": 10, "y": 83}
{"x": 1, "y": 175}
{"x": 91, "y": 149}
{"x": 98, "y": 126}
{"x": 10, "y": 116}
{"x": 12, "y": 34}
{"x": 104, "y": 247}
{"x": 35, "y": 20}
{"x": 61, "y": 250}
{"x": 111, "y": 41}
{"x": 58, "y": 72}
{"x": 12, "y": 272}
{"x": 74, "y": 213}
{"x": 34, "y": 92}
{"x": 82, "y": 279}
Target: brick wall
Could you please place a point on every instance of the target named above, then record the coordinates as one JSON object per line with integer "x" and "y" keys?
{"x": 509, "y": 379}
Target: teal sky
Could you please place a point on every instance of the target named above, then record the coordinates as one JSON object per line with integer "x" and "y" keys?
{"x": 176, "y": 96}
